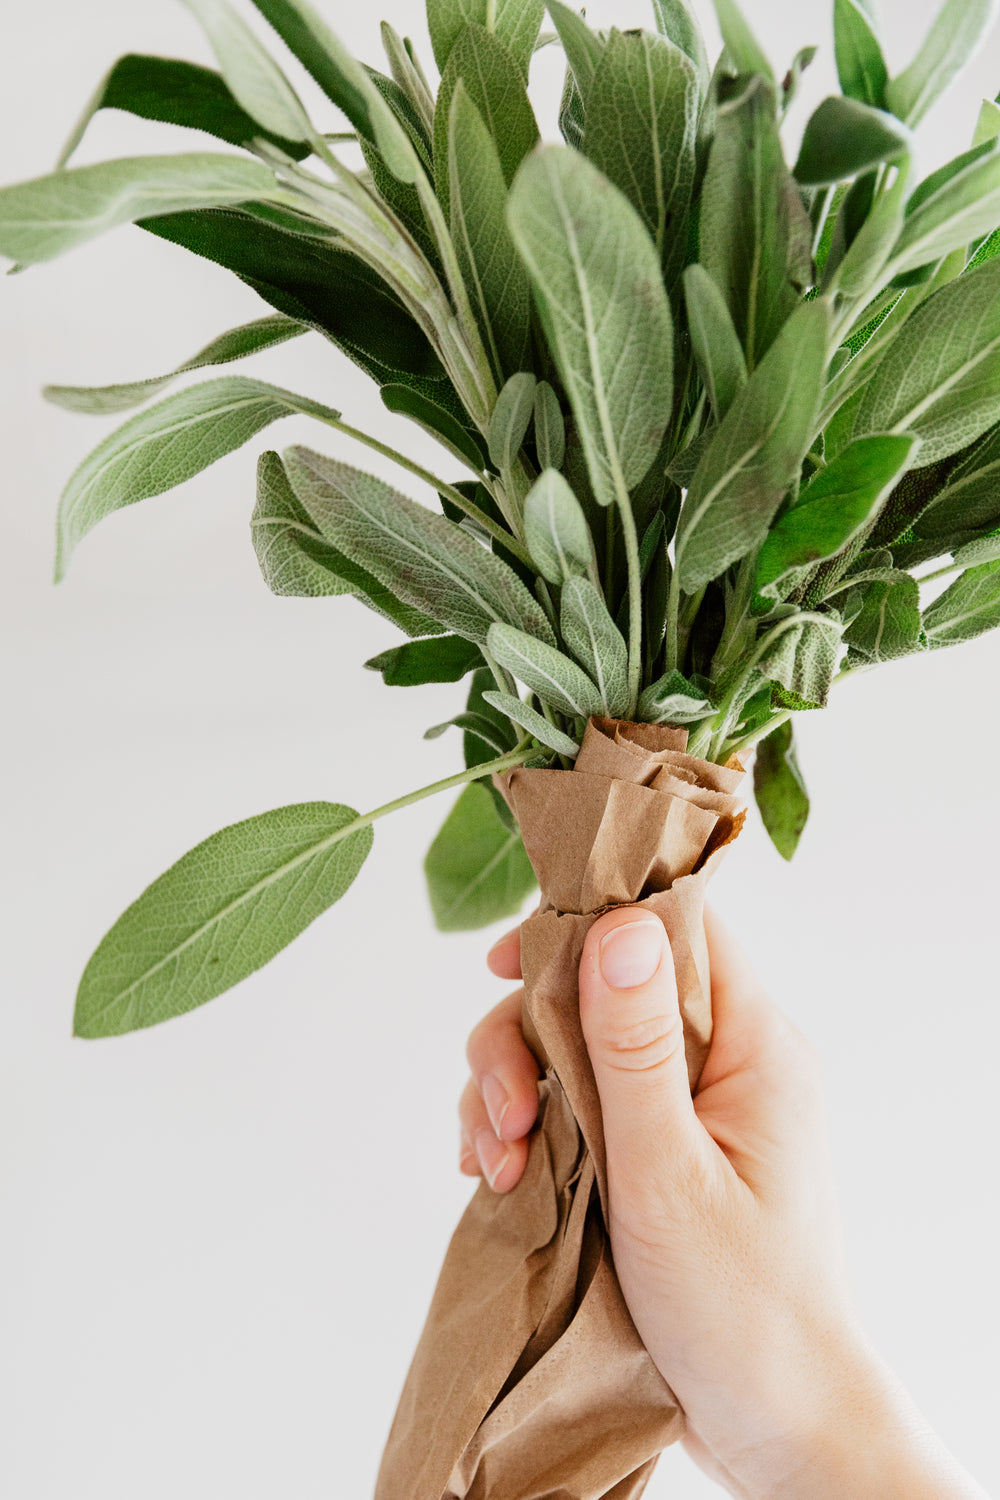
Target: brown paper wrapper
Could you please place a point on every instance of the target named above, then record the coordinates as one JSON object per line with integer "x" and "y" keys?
{"x": 530, "y": 1381}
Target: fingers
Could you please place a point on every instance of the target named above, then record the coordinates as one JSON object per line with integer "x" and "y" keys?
{"x": 500, "y": 1102}
{"x": 504, "y": 958}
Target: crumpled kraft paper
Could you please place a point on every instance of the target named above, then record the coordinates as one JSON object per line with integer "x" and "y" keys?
{"x": 530, "y": 1381}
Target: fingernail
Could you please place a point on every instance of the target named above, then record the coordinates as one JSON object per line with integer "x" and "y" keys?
{"x": 630, "y": 955}
{"x": 492, "y": 1155}
{"x": 466, "y": 1153}
{"x": 496, "y": 1099}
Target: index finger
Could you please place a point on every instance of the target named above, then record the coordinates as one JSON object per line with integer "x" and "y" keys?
{"x": 504, "y": 958}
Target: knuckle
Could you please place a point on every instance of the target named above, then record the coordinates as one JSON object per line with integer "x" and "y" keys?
{"x": 643, "y": 1045}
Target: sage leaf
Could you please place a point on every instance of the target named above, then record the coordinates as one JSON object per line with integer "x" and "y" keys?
{"x": 496, "y": 280}
{"x": 558, "y": 681}
{"x": 955, "y": 36}
{"x": 167, "y": 444}
{"x": 221, "y": 912}
{"x": 779, "y": 790}
{"x": 424, "y": 559}
{"x": 176, "y": 93}
{"x": 45, "y": 217}
{"x": 743, "y": 48}
{"x": 838, "y": 504}
{"x": 597, "y": 283}
{"x": 511, "y": 419}
{"x": 477, "y": 870}
{"x": 515, "y": 22}
{"x": 970, "y": 606}
{"x": 844, "y": 138}
{"x": 755, "y": 454}
{"x": 550, "y": 429}
{"x": 478, "y": 751}
{"x": 860, "y": 65}
{"x": 888, "y": 625}
{"x": 298, "y": 561}
{"x": 475, "y": 724}
{"x": 256, "y": 81}
{"x": 444, "y": 658}
{"x": 983, "y": 550}
{"x": 716, "y": 344}
{"x": 593, "y": 637}
{"x": 940, "y": 376}
{"x": 249, "y": 338}
{"x": 495, "y": 85}
{"x": 964, "y": 497}
{"x": 582, "y": 47}
{"x": 954, "y": 206}
{"x": 641, "y": 123}
{"x": 555, "y": 529}
{"x": 988, "y": 123}
{"x": 535, "y": 723}
{"x": 803, "y": 658}
{"x": 755, "y": 236}
{"x": 673, "y": 699}
{"x": 679, "y": 25}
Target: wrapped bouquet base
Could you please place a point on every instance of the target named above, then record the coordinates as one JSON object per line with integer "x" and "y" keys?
{"x": 530, "y": 1379}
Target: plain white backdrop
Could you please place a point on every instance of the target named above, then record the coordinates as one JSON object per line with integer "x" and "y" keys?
{"x": 219, "y": 1237}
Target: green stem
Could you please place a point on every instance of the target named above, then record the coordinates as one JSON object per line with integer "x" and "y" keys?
{"x": 455, "y": 496}
{"x": 735, "y": 746}
{"x": 516, "y": 757}
{"x": 631, "y": 538}
{"x": 673, "y": 621}
{"x": 941, "y": 572}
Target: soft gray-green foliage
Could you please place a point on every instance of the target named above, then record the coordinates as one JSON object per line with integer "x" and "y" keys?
{"x": 963, "y": 205}
{"x": 555, "y": 529}
{"x": 596, "y": 642}
{"x": 860, "y": 65}
{"x": 673, "y": 700}
{"x": 955, "y": 36}
{"x": 477, "y": 870}
{"x": 558, "y": 681}
{"x": 717, "y": 348}
{"x": 511, "y": 419}
{"x": 970, "y": 606}
{"x": 255, "y": 79}
{"x": 550, "y": 429}
{"x": 535, "y": 723}
{"x": 517, "y": 24}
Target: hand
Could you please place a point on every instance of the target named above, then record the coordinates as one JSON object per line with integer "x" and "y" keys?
{"x": 723, "y": 1221}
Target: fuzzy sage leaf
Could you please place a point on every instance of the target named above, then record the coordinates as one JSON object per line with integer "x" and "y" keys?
{"x": 558, "y": 681}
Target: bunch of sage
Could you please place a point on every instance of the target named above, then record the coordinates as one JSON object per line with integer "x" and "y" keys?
{"x": 710, "y": 415}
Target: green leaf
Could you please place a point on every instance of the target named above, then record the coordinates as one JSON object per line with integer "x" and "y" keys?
{"x": 857, "y": 269}
{"x": 966, "y": 497}
{"x": 679, "y": 25}
{"x": 860, "y": 65}
{"x": 673, "y": 699}
{"x": 595, "y": 640}
{"x": 803, "y": 658}
{"x": 968, "y": 608}
{"x": 249, "y": 338}
{"x": 221, "y": 912}
{"x": 297, "y": 560}
{"x": 478, "y": 751}
{"x": 49, "y": 215}
{"x": 256, "y": 81}
{"x": 756, "y": 453}
{"x": 558, "y": 681}
{"x": 755, "y": 236}
{"x": 555, "y": 529}
{"x": 477, "y": 870}
{"x": 602, "y": 303}
{"x": 496, "y": 280}
{"x": 444, "y": 658}
{"x": 743, "y": 48}
{"x": 475, "y": 724}
{"x": 582, "y": 48}
{"x": 511, "y": 419}
{"x": 515, "y": 22}
{"x": 495, "y": 85}
{"x": 953, "y": 39}
{"x": 641, "y": 122}
{"x": 840, "y": 502}
{"x": 954, "y": 206}
{"x": 940, "y": 376}
{"x": 780, "y": 791}
{"x": 535, "y": 723}
{"x": 716, "y": 344}
{"x": 983, "y": 550}
{"x": 844, "y": 138}
{"x": 888, "y": 625}
{"x": 988, "y": 123}
{"x": 176, "y": 93}
{"x": 437, "y": 420}
{"x": 167, "y": 444}
{"x": 550, "y": 429}
{"x": 424, "y": 559}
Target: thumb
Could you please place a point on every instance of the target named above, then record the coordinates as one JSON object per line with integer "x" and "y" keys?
{"x": 632, "y": 1026}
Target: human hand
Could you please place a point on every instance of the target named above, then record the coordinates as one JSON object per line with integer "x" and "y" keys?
{"x": 723, "y": 1220}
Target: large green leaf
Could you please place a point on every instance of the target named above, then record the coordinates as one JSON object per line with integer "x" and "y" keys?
{"x": 953, "y": 207}
{"x": 477, "y": 870}
{"x": 968, "y": 608}
{"x": 860, "y": 65}
{"x": 556, "y": 530}
{"x": 297, "y": 560}
{"x": 803, "y": 658}
{"x": 444, "y": 658}
{"x": 176, "y": 93}
{"x": 256, "y": 81}
{"x": 967, "y": 498}
{"x": 515, "y": 22}
{"x": 495, "y": 85}
{"x": 888, "y": 624}
{"x": 840, "y": 502}
{"x": 595, "y": 640}
{"x": 940, "y": 376}
{"x": 779, "y": 790}
{"x": 222, "y": 911}
{"x": 168, "y": 443}
{"x": 237, "y": 343}
{"x": 597, "y": 281}
{"x": 955, "y": 36}
{"x": 844, "y": 138}
{"x": 49, "y": 215}
{"x": 494, "y": 276}
{"x": 716, "y": 344}
{"x": 426, "y": 560}
{"x": 641, "y": 122}
{"x": 556, "y": 679}
{"x": 756, "y": 453}
{"x": 755, "y": 235}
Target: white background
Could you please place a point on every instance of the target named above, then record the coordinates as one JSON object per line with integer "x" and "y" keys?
{"x": 220, "y": 1236}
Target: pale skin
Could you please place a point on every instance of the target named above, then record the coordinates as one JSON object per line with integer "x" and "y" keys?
{"x": 723, "y": 1221}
